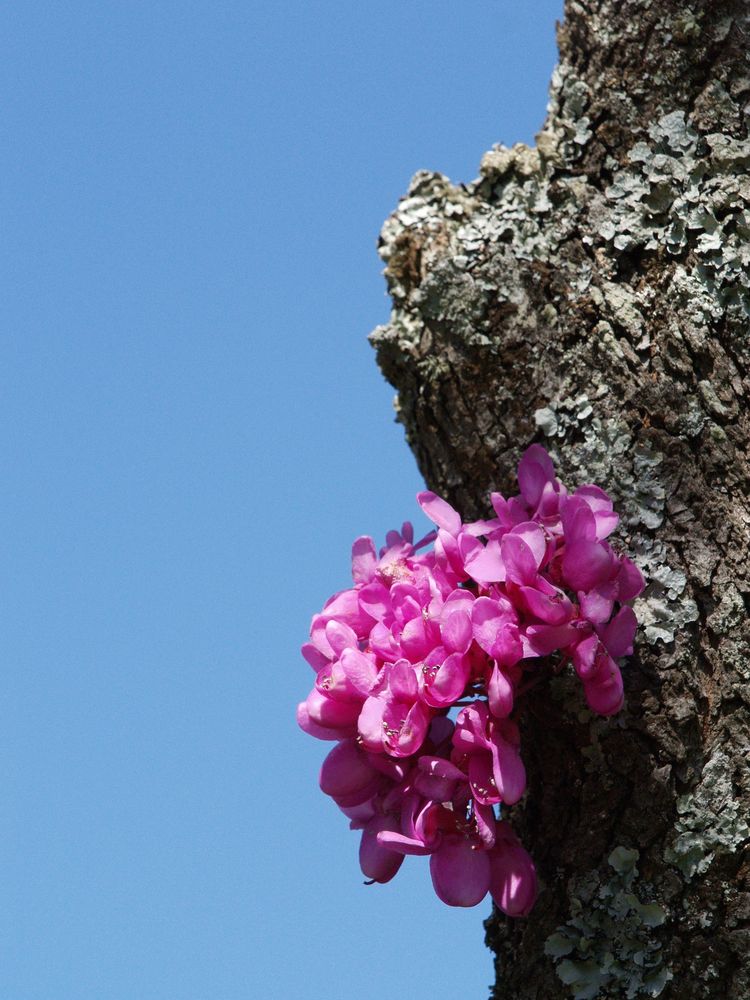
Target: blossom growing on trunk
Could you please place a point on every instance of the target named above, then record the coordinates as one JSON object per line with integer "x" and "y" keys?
{"x": 421, "y": 667}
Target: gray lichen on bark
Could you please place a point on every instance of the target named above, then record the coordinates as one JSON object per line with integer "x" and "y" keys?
{"x": 593, "y": 293}
{"x": 608, "y": 943}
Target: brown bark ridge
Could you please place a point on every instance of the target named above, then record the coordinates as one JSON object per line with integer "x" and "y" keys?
{"x": 593, "y": 293}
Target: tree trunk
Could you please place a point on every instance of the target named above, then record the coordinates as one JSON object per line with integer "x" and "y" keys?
{"x": 593, "y": 293}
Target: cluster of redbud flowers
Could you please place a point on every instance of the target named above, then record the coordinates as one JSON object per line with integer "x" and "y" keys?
{"x": 419, "y": 667}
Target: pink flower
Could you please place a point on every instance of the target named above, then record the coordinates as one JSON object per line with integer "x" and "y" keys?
{"x": 491, "y": 750}
{"x": 348, "y": 776}
{"x": 393, "y": 720}
{"x": 462, "y": 873}
{"x": 376, "y": 861}
{"x": 423, "y": 630}
{"x": 513, "y": 882}
{"x": 602, "y": 680}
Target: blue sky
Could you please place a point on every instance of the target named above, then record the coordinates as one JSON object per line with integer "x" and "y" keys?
{"x": 193, "y": 431}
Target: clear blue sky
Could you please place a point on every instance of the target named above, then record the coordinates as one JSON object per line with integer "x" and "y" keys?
{"x": 193, "y": 429}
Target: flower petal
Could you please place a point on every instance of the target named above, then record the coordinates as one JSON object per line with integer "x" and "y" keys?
{"x": 597, "y": 604}
{"x": 541, "y": 640}
{"x": 587, "y": 564}
{"x": 455, "y": 631}
{"x": 488, "y": 616}
{"x": 376, "y": 861}
{"x": 413, "y": 731}
{"x": 534, "y": 470}
{"x": 375, "y": 600}
{"x": 601, "y": 506}
{"x": 578, "y": 521}
{"x": 346, "y": 769}
{"x": 500, "y": 694}
{"x": 360, "y": 671}
{"x": 533, "y": 535}
{"x": 440, "y": 512}
{"x": 482, "y": 779}
{"x": 483, "y": 563}
{"x": 460, "y": 874}
{"x": 547, "y": 603}
{"x": 618, "y": 635}
{"x": 403, "y": 845}
{"x": 484, "y": 819}
{"x": 630, "y": 580}
{"x": 383, "y": 643}
{"x": 470, "y": 732}
{"x": 331, "y": 713}
{"x": 513, "y": 882}
{"x": 448, "y": 683}
{"x": 364, "y": 559}
{"x": 370, "y": 724}
{"x": 345, "y": 607}
{"x": 340, "y": 637}
{"x": 314, "y": 657}
{"x": 604, "y": 694}
{"x": 307, "y": 725}
{"x": 508, "y": 769}
{"x": 584, "y": 656}
{"x": 520, "y": 562}
{"x": 402, "y": 681}
{"x": 417, "y": 638}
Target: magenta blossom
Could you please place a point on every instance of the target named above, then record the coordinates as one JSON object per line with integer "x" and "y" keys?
{"x": 457, "y": 626}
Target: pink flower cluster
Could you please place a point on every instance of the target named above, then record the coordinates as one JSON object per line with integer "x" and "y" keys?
{"x": 463, "y": 626}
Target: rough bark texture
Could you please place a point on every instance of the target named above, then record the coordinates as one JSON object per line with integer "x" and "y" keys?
{"x": 593, "y": 293}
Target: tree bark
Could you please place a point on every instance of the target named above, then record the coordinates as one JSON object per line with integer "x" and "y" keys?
{"x": 593, "y": 293}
